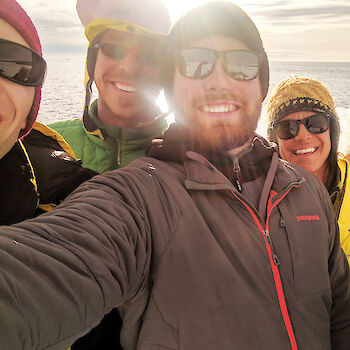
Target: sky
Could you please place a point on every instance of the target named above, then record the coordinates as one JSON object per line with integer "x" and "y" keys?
{"x": 295, "y": 30}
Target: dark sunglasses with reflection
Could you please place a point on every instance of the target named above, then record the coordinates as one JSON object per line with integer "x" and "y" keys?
{"x": 199, "y": 63}
{"x": 317, "y": 123}
{"x": 148, "y": 54}
{"x": 21, "y": 64}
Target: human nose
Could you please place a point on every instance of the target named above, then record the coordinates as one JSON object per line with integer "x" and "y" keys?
{"x": 130, "y": 63}
{"x": 218, "y": 79}
{"x": 303, "y": 133}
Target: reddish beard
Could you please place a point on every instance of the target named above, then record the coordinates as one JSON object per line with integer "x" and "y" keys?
{"x": 222, "y": 135}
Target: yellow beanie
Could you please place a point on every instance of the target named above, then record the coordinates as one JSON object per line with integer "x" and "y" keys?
{"x": 296, "y": 94}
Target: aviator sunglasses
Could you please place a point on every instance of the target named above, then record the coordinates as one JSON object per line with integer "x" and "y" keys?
{"x": 21, "y": 64}
{"x": 199, "y": 63}
{"x": 147, "y": 54}
{"x": 315, "y": 124}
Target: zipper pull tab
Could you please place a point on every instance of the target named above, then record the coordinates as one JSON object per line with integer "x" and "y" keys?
{"x": 267, "y": 235}
{"x": 239, "y": 187}
{"x": 118, "y": 154}
{"x": 236, "y": 167}
{"x": 276, "y": 260}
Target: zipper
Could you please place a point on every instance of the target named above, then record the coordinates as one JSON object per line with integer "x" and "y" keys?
{"x": 237, "y": 169}
{"x": 273, "y": 258}
{"x": 118, "y": 154}
{"x": 277, "y": 276}
{"x": 269, "y": 241}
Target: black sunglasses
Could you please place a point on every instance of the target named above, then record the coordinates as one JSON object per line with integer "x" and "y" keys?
{"x": 315, "y": 124}
{"x": 199, "y": 63}
{"x": 21, "y": 64}
{"x": 147, "y": 54}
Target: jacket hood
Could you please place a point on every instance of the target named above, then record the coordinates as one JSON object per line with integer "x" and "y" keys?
{"x": 250, "y": 163}
{"x": 176, "y": 141}
{"x": 14, "y": 15}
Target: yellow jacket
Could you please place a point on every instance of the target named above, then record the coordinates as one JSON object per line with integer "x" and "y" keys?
{"x": 342, "y": 205}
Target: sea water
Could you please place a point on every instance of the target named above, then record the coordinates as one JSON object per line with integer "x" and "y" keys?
{"x": 63, "y": 92}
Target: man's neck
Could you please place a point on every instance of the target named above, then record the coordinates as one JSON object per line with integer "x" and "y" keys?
{"x": 237, "y": 150}
{"x": 107, "y": 117}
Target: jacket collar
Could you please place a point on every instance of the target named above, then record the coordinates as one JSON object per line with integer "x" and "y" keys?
{"x": 142, "y": 131}
{"x": 201, "y": 171}
{"x": 201, "y": 174}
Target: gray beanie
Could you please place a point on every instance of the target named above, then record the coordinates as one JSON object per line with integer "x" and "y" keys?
{"x": 213, "y": 18}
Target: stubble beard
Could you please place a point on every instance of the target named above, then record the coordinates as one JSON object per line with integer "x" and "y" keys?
{"x": 224, "y": 136}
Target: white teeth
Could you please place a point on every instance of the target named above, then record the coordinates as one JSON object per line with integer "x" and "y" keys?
{"x": 306, "y": 150}
{"x": 126, "y": 88}
{"x": 218, "y": 108}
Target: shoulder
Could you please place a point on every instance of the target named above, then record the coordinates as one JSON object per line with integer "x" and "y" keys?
{"x": 19, "y": 196}
{"x": 67, "y": 127}
{"x": 309, "y": 184}
{"x": 55, "y": 166}
{"x": 343, "y": 164}
{"x": 43, "y": 136}
{"x": 160, "y": 168}
{"x": 66, "y": 124}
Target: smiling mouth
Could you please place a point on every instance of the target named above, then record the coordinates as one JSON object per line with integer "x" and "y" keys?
{"x": 309, "y": 150}
{"x": 124, "y": 87}
{"x": 218, "y": 108}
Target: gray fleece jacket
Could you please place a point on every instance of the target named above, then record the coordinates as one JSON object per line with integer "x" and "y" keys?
{"x": 191, "y": 263}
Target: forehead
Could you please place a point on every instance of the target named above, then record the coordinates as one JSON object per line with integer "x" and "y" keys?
{"x": 298, "y": 115}
{"x": 111, "y": 35}
{"x": 9, "y": 33}
{"x": 219, "y": 42}
{"x": 116, "y": 35}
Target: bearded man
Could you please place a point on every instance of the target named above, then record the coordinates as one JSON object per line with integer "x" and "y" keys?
{"x": 210, "y": 242}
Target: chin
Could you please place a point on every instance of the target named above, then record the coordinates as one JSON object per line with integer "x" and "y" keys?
{"x": 222, "y": 139}
{"x": 226, "y": 135}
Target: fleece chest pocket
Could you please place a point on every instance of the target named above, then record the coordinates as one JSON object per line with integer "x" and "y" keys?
{"x": 307, "y": 232}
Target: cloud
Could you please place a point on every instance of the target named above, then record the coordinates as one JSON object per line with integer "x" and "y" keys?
{"x": 291, "y": 29}
{"x": 267, "y": 4}
{"x": 312, "y": 44}
{"x": 287, "y": 12}
{"x": 57, "y": 23}
{"x": 313, "y": 30}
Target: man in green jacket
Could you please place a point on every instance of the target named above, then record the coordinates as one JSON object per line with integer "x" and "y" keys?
{"x": 126, "y": 39}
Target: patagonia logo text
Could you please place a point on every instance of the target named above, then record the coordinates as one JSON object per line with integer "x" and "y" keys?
{"x": 308, "y": 218}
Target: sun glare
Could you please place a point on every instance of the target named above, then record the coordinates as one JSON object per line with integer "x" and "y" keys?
{"x": 177, "y": 9}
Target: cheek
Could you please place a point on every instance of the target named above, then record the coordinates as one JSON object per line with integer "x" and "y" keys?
{"x": 252, "y": 88}
{"x": 152, "y": 74}
{"x": 183, "y": 90}
{"x": 97, "y": 70}
{"x": 16, "y": 102}
{"x": 102, "y": 67}
{"x": 283, "y": 147}
{"x": 326, "y": 142}
{"x": 24, "y": 104}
